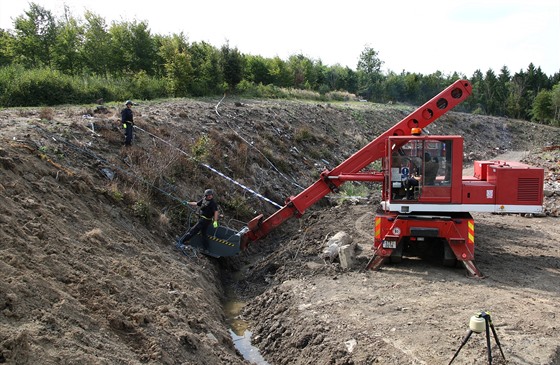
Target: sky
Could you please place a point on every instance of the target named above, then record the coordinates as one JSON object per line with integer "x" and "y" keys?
{"x": 422, "y": 36}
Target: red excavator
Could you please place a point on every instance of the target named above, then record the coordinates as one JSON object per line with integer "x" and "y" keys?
{"x": 425, "y": 199}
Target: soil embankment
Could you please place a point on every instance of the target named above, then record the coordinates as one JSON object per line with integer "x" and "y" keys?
{"x": 90, "y": 274}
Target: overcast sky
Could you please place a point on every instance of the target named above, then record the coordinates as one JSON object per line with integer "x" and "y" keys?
{"x": 421, "y": 36}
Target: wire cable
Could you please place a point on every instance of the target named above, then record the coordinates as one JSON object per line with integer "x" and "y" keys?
{"x": 212, "y": 169}
{"x": 292, "y": 181}
{"x": 106, "y": 162}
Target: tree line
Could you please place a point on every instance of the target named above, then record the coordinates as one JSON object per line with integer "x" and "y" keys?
{"x": 47, "y": 61}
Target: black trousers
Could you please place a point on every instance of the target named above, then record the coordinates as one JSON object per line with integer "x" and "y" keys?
{"x": 202, "y": 227}
{"x": 409, "y": 187}
{"x": 128, "y": 133}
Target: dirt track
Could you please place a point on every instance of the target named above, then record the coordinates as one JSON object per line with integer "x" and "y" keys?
{"x": 89, "y": 273}
{"x": 415, "y": 312}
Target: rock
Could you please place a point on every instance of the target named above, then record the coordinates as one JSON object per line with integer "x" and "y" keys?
{"x": 330, "y": 252}
{"x": 350, "y": 345}
{"x": 341, "y": 238}
{"x": 346, "y": 254}
{"x": 334, "y": 244}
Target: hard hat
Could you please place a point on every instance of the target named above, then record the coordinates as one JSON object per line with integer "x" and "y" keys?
{"x": 129, "y": 102}
{"x": 208, "y": 192}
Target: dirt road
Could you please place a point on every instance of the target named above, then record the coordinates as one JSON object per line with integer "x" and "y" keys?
{"x": 415, "y": 312}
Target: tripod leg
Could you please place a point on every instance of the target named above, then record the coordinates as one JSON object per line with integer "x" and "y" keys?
{"x": 497, "y": 341}
{"x": 488, "y": 342}
{"x": 465, "y": 339}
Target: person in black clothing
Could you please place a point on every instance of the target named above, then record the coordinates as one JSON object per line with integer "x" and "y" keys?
{"x": 128, "y": 122}
{"x": 430, "y": 171}
{"x": 208, "y": 215}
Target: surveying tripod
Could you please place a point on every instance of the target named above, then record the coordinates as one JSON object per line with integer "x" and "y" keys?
{"x": 478, "y": 323}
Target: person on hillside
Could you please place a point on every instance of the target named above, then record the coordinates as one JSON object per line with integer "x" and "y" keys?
{"x": 127, "y": 119}
{"x": 208, "y": 215}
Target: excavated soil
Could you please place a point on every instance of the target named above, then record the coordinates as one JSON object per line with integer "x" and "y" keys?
{"x": 90, "y": 274}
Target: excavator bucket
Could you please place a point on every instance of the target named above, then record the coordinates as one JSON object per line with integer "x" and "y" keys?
{"x": 222, "y": 242}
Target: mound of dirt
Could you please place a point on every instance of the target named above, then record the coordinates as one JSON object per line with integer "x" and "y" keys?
{"x": 90, "y": 273}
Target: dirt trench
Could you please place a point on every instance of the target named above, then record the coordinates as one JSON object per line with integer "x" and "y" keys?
{"x": 90, "y": 273}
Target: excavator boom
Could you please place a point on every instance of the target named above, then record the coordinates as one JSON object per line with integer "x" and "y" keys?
{"x": 349, "y": 170}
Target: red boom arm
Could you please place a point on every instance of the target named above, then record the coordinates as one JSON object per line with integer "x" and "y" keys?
{"x": 349, "y": 169}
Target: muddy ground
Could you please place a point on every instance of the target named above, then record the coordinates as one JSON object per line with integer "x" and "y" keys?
{"x": 90, "y": 274}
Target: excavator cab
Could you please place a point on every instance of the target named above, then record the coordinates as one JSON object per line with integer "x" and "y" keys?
{"x": 421, "y": 169}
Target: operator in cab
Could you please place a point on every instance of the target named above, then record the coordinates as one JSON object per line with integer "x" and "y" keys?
{"x": 431, "y": 168}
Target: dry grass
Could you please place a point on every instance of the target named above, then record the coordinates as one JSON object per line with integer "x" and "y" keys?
{"x": 340, "y": 96}
{"x": 46, "y": 113}
{"x": 94, "y": 236}
{"x": 164, "y": 220}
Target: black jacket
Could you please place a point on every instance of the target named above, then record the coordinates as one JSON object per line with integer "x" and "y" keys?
{"x": 207, "y": 208}
{"x": 126, "y": 115}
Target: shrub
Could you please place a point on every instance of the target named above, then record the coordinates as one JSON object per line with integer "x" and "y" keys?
{"x": 340, "y": 96}
{"x": 240, "y": 206}
{"x": 145, "y": 87}
{"x": 141, "y": 209}
{"x": 303, "y": 134}
{"x": 45, "y": 86}
{"x": 46, "y": 114}
{"x": 200, "y": 148}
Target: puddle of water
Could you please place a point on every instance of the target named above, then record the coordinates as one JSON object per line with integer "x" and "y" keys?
{"x": 232, "y": 308}
{"x": 240, "y": 334}
{"x": 243, "y": 345}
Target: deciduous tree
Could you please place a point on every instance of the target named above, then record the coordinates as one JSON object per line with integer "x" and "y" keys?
{"x": 66, "y": 50}
{"x": 35, "y": 34}
{"x": 96, "y": 51}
